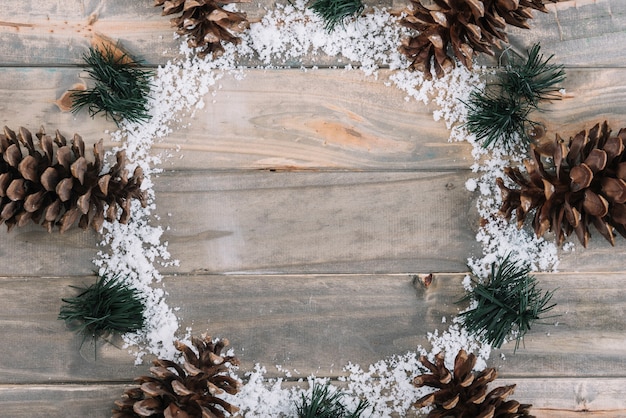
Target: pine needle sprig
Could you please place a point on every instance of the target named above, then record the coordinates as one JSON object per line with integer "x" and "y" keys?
{"x": 324, "y": 404}
{"x": 108, "y": 305}
{"x": 501, "y": 113}
{"x": 534, "y": 80}
{"x": 121, "y": 87}
{"x": 492, "y": 117}
{"x": 507, "y": 305}
{"x": 335, "y": 12}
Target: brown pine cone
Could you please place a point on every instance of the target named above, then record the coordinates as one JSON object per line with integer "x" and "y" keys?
{"x": 467, "y": 26}
{"x": 61, "y": 187}
{"x": 463, "y": 394}
{"x": 189, "y": 391}
{"x": 206, "y": 23}
{"x": 585, "y": 182}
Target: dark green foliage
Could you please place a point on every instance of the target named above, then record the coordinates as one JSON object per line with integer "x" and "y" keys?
{"x": 507, "y": 304}
{"x": 121, "y": 87}
{"x": 324, "y": 404}
{"x": 491, "y": 117}
{"x": 501, "y": 113}
{"x": 335, "y": 12}
{"x": 108, "y": 305}
{"x": 533, "y": 80}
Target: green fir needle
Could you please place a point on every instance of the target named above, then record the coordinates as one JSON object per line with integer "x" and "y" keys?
{"x": 502, "y": 112}
{"x": 322, "y": 403}
{"x": 335, "y": 12}
{"x": 507, "y": 304}
{"x": 535, "y": 79}
{"x": 108, "y": 305}
{"x": 121, "y": 87}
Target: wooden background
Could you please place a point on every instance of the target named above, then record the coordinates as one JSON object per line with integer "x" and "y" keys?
{"x": 302, "y": 206}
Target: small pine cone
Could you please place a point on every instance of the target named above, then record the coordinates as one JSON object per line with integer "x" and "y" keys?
{"x": 189, "y": 391}
{"x": 462, "y": 393}
{"x": 468, "y": 26}
{"x": 584, "y": 183}
{"x": 206, "y": 23}
{"x": 61, "y": 187}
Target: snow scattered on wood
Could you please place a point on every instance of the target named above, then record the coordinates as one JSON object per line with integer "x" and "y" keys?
{"x": 282, "y": 37}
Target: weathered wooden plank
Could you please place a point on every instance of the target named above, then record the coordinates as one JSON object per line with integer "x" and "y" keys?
{"x": 317, "y": 222}
{"x": 317, "y": 324}
{"x": 275, "y": 119}
{"x": 340, "y": 319}
{"x": 322, "y": 119}
{"x": 59, "y": 401}
{"x": 579, "y": 32}
{"x": 283, "y": 222}
{"x": 571, "y": 397}
{"x": 562, "y": 398}
{"x": 305, "y": 222}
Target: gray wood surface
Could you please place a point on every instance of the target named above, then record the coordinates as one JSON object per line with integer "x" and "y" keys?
{"x": 316, "y": 324}
{"x": 294, "y": 321}
{"x": 553, "y": 398}
{"x": 299, "y": 205}
{"x": 578, "y": 32}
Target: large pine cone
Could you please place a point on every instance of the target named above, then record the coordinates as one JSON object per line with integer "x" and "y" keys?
{"x": 189, "y": 391}
{"x": 584, "y": 183}
{"x": 463, "y": 394}
{"x": 468, "y": 26}
{"x": 59, "y": 188}
{"x": 206, "y": 23}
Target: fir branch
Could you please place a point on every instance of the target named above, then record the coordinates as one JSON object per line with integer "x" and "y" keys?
{"x": 535, "y": 79}
{"x": 493, "y": 117}
{"x": 507, "y": 304}
{"x": 502, "y": 112}
{"x": 108, "y": 305}
{"x": 324, "y": 404}
{"x": 335, "y": 12}
{"x": 121, "y": 87}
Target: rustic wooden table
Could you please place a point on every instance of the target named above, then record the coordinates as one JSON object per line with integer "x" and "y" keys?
{"x": 301, "y": 206}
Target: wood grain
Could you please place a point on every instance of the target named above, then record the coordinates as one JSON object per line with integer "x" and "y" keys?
{"x": 284, "y": 119}
{"x": 551, "y": 398}
{"x": 316, "y": 324}
{"x": 316, "y": 222}
{"x": 579, "y": 32}
{"x": 288, "y": 119}
{"x": 297, "y": 222}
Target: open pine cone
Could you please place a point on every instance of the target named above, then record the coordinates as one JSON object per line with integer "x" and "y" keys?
{"x": 468, "y": 26}
{"x": 206, "y": 23}
{"x": 189, "y": 391}
{"x": 60, "y": 187}
{"x": 584, "y": 183}
{"x": 463, "y": 394}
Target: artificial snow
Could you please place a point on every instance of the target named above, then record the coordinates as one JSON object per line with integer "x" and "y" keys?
{"x": 286, "y": 35}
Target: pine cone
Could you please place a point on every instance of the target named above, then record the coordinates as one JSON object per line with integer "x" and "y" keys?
{"x": 469, "y": 26}
{"x": 463, "y": 393}
{"x": 59, "y": 188}
{"x": 189, "y": 391}
{"x": 585, "y": 183}
{"x": 206, "y": 23}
